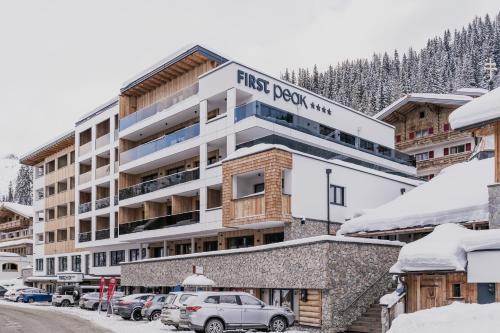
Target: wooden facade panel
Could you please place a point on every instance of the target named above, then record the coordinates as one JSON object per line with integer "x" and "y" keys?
{"x": 310, "y": 311}
{"x": 248, "y": 207}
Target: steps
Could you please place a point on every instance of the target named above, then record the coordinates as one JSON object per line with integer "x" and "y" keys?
{"x": 369, "y": 322}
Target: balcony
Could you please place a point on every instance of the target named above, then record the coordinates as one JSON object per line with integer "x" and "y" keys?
{"x": 115, "y": 201}
{"x": 159, "y": 183}
{"x": 84, "y": 177}
{"x": 157, "y": 107}
{"x": 11, "y": 225}
{"x": 85, "y": 237}
{"x": 160, "y": 222}
{"x": 253, "y": 205}
{"x": 116, "y": 166}
{"x": 102, "y": 171}
{"x": 102, "y": 203}
{"x": 85, "y": 149}
{"x": 102, "y": 141}
{"x": 161, "y": 143}
{"x": 85, "y": 207}
{"x": 102, "y": 234}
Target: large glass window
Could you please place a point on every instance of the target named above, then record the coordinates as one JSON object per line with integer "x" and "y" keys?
{"x": 210, "y": 246}
{"x": 76, "y": 263}
{"x": 99, "y": 259}
{"x": 39, "y": 265}
{"x": 274, "y": 238}
{"x": 117, "y": 257}
{"x": 282, "y": 297}
{"x": 239, "y": 242}
{"x": 183, "y": 248}
{"x": 63, "y": 264}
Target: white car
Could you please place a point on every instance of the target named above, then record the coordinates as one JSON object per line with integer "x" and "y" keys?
{"x": 170, "y": 314}
{"x": 15, "y": 294}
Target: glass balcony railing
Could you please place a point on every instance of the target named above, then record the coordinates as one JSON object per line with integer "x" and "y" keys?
{"x": 160, "y": 143}
{"x": 85, "y": 237}
{"x": 102, "y": 203}
{"x": 157, "y": 107}
{"x": 160, "y": 222}
{"x": 115, "y": 200}
{"x": 308, "y": 126}
{"x": 102, "y": 234}
{"x": 159, "y": 183}
{"x": 85, "y": 207}
{"x": 102, "y": 141}
{"x": 85, "y": 149}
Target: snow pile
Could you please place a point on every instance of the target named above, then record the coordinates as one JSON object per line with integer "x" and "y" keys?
{"x": 458, "y": 193}
{"x": 456, "y": 318}
{"x": 12, "y": 283}
{"x": 198, "y": 280}
{"x": 482, "y": 109}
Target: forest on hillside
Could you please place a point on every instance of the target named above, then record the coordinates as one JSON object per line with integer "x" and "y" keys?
{"x": 449, "y": 62}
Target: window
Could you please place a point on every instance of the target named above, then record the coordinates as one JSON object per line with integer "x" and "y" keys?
{"x": 282, "y": 297}
{"x": 76, "y": 263}
{"x": 183, "y": 248}
{"x": 228, "y": 299}
{"x": 347, "y": 138}
{"x": 39, "y": 265}
{"x": 239, "y": 242}
{"x": 117, "y": 257}
{"x": 337, "y": 195}
{"x": 133, "y": 254}
{"x": 422, "y": 133}
{"x": 274, "y": 238}
{"x": 212, "y": 300}
{"x": 248, "y": 300}
{"x": 257, "y": 188}
{"x": 72, "y": 157}
{"x": 421, "y": 114}
{"x": 62, "y": 161}
{"x": 457, "y": 149}
{"x": 50, "y": 266}
{"x": 63, "y": 264}
{"x": 210, "y": 246}
{"x": 366, "y": 145}
{"x": 456, "y": 290}
{"x": 422, "y": 156}
{"x": 100, "y": 259}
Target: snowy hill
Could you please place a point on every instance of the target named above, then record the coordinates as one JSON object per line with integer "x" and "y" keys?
{"x": 9, "y": 165}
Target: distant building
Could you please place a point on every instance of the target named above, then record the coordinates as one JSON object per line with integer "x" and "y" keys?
{"x": 423, "y": 129}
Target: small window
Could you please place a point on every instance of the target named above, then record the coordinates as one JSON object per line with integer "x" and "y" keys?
{"x": 257, "y": 188}
{"x": 456, "y": 290}
{"x": 248, "y": 300}
{"x": 228, "y": 299}
{"x": 212, "y": 300}
{"x": 337, "y": 195}
{"x": 422, "y": 114}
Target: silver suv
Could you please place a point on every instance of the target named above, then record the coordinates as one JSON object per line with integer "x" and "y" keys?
{"x": 170, "y": 314}
{"x": 215, "y": 312}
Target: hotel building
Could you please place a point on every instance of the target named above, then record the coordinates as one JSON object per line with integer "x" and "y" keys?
{"x": 200, "y": 154}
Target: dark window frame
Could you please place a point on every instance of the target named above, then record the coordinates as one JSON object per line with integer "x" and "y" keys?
{"x": 333, "y": 195}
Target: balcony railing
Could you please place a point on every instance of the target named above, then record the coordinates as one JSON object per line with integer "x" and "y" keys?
{"x": 10, "y": 225}
{"x": 160, "y": 143}
{"x": 159, "y": 106}
{"x": 85, "y": 149}
{"x": 160, "y": 222}
{"x": 305, "y": 125}
{"x": 85, "y": 237}
{"x": 115, "y": 134}
{"x": 102, "y": 171}
{"x": 102, "y": 141}
{"x": 85, "y": 207}
{"x": 253, "y": 205}
{"x": 116, "y": 166}
{"x": 159, "y": 183}
{"x": 102, "y": 203}
{"x": 85, "y": 177}
{"x": 102, "y": 234}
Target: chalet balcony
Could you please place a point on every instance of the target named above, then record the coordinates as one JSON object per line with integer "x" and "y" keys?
{"x": 85, "y": 207}
{"x": 253, "y": 205}
{"x": 160, "y": 143}
{"x": 13, "y": 225}
{"x": 102, "y": 203}
{"x": 159, "y": 183}
{"x": 102, "y": 234}
{"x": 85, "y": 237}
{"x": 102, "y": 171}
{"x": 85, "y": 149}
{"x": 84, "y": 177}
{"x": 159, "y": 106}
{"x": 160, "y": 222}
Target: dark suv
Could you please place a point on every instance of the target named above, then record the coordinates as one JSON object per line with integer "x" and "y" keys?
{"x": 130, "y": 306}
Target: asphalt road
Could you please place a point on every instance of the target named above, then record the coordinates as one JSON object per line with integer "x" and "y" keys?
{"x": 22, "y": 320}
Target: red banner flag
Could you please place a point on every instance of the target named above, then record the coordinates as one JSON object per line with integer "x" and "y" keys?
{"x": 111, "y": 288}
{"x": 102, "y": 283}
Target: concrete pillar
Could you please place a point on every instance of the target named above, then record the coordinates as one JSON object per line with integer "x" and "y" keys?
{"x": 203, "y": 203}
{"x": 494, "y": 205}
{"x": 230, "y": 104}
{"x": 203, "y": 159}
{"x": 203, "y": 116}
{"x": 230, "y": 143}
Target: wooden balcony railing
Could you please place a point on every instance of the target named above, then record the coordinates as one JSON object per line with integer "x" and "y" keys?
{"x": 13, "y": 225}
{"x": 249, "y": 206}
{"x": 286, "y": 204}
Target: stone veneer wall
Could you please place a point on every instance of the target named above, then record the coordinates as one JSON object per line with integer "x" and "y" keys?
{"x": 344, "y": 271}
{"x": 494, "y": 205}
{"x": 311, "y": 228}
{"x": 273, "y": 162}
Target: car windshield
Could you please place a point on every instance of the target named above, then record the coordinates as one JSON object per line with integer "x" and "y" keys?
{"x": 170, "y": 298}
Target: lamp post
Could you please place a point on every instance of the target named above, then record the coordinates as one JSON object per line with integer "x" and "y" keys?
{"x": 328, "y": 172}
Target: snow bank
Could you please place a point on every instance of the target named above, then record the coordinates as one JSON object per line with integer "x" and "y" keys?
{"x": 198, "y": 280}
{"x": 458, "y": 193}
{"x": 456, "y": 318}
{"x": 482, "y": 109}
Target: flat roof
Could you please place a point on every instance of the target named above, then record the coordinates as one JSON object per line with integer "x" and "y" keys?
{"x": 97, "y": 111}
{"x": 51, "y": 147}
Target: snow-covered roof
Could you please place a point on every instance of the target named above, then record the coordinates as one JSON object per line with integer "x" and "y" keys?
{"x": 471, "y": 91}
{"x": 446, "y": 99}
{"x": 16, "y": 242}
{"x": 26, "y": 211}
{"x": 197, "y": 280}
{"x": 445, "y": 249}
{"x": 8, "y": 254}
{"x": 458, "y": 193}
{"x": 481, "y": 110}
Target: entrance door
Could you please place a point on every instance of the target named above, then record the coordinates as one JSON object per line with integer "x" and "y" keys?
{"x": 432, "y": 291}
{"x": 485, "y": 293}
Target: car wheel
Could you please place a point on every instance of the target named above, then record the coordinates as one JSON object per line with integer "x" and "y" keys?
{"x": 278, "y": 324}
{"x": 126, "y": 318}
{"x": 65, "y": 303}
{"x": 155, "y": 316}
{"x": 30, "y": 300}
{"x": 214, "y": 326}
{"x": 136, "y": 315}
{"x": 95, "y": 307}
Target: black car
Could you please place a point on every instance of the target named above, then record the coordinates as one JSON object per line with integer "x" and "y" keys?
{"x": 2, "y": 291}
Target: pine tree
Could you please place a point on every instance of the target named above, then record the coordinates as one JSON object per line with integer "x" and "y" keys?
{"x": 10, "y": 193}
{"x": 24, "y": 186}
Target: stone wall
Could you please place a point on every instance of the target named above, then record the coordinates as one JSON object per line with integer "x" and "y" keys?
{"x": 494, "y": 205}
{"x": 310, "y": 228}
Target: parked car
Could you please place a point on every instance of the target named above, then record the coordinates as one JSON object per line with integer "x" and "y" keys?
{"x": 91, "y": 300}
{"x": 171, "y": 309}
{"x": 15, "y": 294}
{"x": 33, "y": 295}
{"x": 2, "y": 291}
{"x": 130, "y": 306}
{"x": 66, "y": 296}
{"x": 215, "y": 312}
{"x": 152, "y": 308}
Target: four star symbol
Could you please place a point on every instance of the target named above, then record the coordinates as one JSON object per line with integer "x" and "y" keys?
{"x": 319, "y": 108}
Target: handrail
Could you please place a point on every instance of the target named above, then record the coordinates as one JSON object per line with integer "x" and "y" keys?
{"x": 364, "y": 292}
{"x": 390, "y": 306}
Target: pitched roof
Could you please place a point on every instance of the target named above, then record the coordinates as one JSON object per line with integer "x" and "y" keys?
{"x": 482, "y": 110}
{"x": 26, "y": 211}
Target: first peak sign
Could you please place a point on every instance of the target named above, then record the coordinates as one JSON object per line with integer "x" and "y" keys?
{"x": 253, "y": 82}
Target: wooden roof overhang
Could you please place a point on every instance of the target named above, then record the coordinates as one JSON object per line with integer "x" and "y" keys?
{"x": 169, "y": 70}
{"x": 410, "y": 106}
{"x": 39, "y": 154}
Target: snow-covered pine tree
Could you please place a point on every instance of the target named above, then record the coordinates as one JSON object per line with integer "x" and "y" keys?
{"x": 10, "y": 193}
{"x": 23, "y": 193}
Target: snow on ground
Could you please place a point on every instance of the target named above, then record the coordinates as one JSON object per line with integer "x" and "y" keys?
{"x": 482, "y": 109}
{"x": 456, "y": 318}
{"x": 459, "y": 193}
{"x": 113, "y": 323}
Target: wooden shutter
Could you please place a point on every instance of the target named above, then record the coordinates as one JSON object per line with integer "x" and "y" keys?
{"x": 446, "y": 127}
{"x": 412, "y": 135}
{"x": 398, "y": 138}
{"x": 446, "y": 151}
{"x": 431, "y": 130}
{"x": 431, "y": 154}
{"x": 468, "y": 147}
